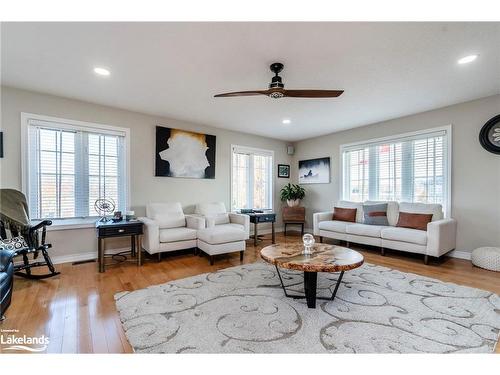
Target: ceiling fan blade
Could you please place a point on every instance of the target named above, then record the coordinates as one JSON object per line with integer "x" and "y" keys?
{"x": 312, "y": 93}
{"x": 242, "y": 93}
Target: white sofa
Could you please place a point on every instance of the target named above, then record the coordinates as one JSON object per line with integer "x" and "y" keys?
{"x": 167, "y": 228}
{"x": 437, "y": 240}
{"x": 215, "y": 215}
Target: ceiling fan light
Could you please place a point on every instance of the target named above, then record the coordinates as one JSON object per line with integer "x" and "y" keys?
{"x": 276, "y": 95}
{"x": 467, "y": 59}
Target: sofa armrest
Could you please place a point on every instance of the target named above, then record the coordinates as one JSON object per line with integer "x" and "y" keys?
{"x": 195, "y": 221}
{"x": 441, "y": 236}
{"x": 151, "y": 239}
{"x": 6, "y": 257}
{"x": 241, "y": 219}
{"x": 319, "y": 217}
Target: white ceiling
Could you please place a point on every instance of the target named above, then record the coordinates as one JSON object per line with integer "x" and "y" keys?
{"x": 387, "y": 70}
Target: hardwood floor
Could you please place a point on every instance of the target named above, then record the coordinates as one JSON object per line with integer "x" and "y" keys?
{"x": 76, "y": 309}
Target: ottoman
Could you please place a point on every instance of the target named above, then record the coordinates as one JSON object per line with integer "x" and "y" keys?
{"x": 221, "y": 240}
{"x": 487, "y": 258}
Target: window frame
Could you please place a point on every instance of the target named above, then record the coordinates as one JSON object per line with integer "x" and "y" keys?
{"x": 252, "y": 150}
{"x": 75, "y": 125}
{"x": 448, "y": 140}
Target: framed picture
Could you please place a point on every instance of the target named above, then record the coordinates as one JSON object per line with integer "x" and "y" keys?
{"x": 314, "y": 171}
{"x": 489, "y": 137}
{"x": 283, "y": 171}
{"x": 1, "y": 144}
{"x": 181, "y": 153}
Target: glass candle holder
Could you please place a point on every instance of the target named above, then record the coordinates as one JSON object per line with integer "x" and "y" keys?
{"x": 308, "y": 240}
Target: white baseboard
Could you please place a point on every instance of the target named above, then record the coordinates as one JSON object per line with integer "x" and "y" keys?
{"x": 460, "y": 254}
{"x": 70, "y": 258}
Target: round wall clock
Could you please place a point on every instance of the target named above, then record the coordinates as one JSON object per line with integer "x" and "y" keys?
{"x": 489, "y": 136}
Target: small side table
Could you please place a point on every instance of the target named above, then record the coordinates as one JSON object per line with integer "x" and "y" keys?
{"x": 132, "y": 228}
{"x": 257, "y": 218}
{"x": 294, "y": 216}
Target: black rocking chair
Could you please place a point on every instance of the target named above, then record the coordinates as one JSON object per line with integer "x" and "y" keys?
{"x": 14, "y": 218}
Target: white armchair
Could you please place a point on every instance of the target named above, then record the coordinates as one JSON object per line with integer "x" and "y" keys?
{"x": 215, "y": 214}
{"x": 168, "y": 229}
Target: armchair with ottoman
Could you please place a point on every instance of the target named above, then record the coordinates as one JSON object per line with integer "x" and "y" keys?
{"x": 167, "y": 228}
{"x": 434, "y": 237}
{"x": 225, "y": 232}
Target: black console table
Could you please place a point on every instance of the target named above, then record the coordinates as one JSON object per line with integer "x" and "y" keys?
{"x": 107, "y": 229}
{"x": 257, "y": 218}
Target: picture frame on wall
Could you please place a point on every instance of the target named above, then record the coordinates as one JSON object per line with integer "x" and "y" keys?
{"x": 184, "y": 154}
{"x": 283, "y": 171}
{"x": 1, "y": 144}
{"x": 314, "y": 171}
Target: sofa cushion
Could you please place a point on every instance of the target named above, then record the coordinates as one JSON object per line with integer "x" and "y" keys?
{"x": 375, "y": 214}
{"x": 357, "y": 205}
{"x": 392, "y": 210}
{"x": 414, "y": 221}
{"x": 423, "y": 208}
{"x": 365, "y": 230}
{"x": 177, "y": 234}
{"x": 170, "y": 220}
{"x": 333, "y": 226}
{"x": 344, "y": 214}
{"x": 167, "y": 215}
{"x": 405, "y": 235}
{"x": 213, "y": 210}
{"x": 220, "y": 218}
{"x": 221, "y": 234}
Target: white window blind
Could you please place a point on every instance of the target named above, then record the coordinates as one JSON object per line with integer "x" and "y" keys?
{"x": 251, "y": 185}
{"x": 69, "y": 167}
{"x": 408, "y": 168}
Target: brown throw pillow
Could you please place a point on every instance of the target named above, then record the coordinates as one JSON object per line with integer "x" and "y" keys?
{"x": 414, "y": 221}
{"x": 344, "y": 214}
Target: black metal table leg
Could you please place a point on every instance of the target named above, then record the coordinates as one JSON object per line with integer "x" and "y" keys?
{"x": 310, "y": 283}
{"x": 310, "y": 288}
{"x": 255, "y": 234}
{"x": 337, "y": 285}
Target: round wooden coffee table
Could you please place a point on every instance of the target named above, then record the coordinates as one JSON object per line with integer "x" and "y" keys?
{"x": 324, "y": 258}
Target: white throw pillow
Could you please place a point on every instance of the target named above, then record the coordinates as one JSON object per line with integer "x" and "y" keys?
{"x": 170, "y": 220}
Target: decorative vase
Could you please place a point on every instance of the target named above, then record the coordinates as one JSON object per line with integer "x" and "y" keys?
{"x": 293, "y": 202}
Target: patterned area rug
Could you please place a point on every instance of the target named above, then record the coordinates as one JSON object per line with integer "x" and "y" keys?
{"x": 243, "y": 310}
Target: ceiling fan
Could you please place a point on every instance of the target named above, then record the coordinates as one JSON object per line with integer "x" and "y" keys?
{"x": 276, "y": 89}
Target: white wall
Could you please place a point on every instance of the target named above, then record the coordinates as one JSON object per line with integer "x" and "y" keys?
{"x": 475, "y": 172}
{"x": 145, "y": 187}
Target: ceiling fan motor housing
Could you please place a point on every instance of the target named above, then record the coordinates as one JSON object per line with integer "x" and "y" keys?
{"x": 276, "y": 82}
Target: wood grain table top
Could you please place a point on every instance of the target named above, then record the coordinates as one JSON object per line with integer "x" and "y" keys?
{"x": 324, "y": 257}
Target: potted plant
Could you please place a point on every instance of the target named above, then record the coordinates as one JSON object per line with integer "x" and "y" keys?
{"x": 292, "y": 194}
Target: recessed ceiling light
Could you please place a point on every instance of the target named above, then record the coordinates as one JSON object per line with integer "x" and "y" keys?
{"x": 467, "y": 59}
{"x": 101, "y": 71}
{"x": 286, "y": 121}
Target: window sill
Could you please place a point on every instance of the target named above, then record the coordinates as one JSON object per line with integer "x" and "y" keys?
{"x": 67, "y": 224}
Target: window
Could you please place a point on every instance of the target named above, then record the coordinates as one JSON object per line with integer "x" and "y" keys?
{"x": 70, "y": 165}
{"x": 408, "y": 168}
{"x": 252, "y": 184}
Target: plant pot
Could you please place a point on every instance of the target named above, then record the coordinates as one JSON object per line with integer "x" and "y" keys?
{"x": 293, "y": 202}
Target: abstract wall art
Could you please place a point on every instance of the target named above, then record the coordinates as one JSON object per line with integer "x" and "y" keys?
{"x": 181, "y": 153}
